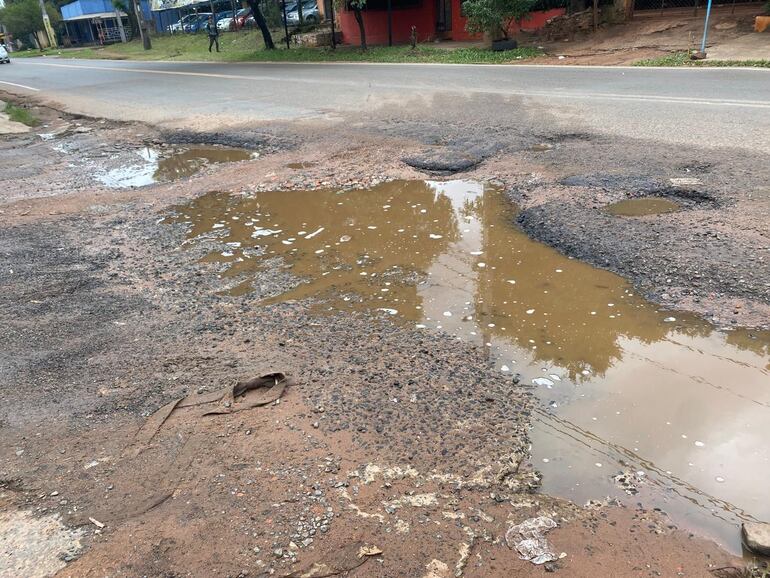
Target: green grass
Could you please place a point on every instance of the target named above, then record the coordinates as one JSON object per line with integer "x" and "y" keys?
{"x": 22, "y": 115}
{"x": 247, "y": 46}
{"x": 683, "y": 59}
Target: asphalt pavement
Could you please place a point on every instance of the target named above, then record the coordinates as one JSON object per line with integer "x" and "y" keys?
{"x": 708, "y": 107}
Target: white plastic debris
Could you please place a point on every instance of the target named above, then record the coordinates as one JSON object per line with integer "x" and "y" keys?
{"x": 528, "y": 539}
{"x": 543, "y": 381}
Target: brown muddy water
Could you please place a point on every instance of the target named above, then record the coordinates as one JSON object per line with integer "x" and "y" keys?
{"x": 152, "y": 167}
{"x": 642, "y": 207}
{"x": 622, "y": 385}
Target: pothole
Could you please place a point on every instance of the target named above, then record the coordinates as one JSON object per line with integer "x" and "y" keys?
{"x": 443, "y": 161}
{"x": 152, "y": 167}
{"x": 642, "y": 207}
{"x": 443, "y": 255}
{"x": 301, "y": 165}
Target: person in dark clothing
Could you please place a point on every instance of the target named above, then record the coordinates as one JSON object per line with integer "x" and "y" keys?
{"x": 211, "y": 28}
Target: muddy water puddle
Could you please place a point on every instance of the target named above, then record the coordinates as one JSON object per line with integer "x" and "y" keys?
{"x": 622, "y": 386}
{"x": 643, "y": 206}
{"x": 152, "y": 166}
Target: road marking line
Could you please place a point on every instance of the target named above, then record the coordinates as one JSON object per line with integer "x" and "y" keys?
{"x": 422, "y": 87}
{"x": 20, "y": 85}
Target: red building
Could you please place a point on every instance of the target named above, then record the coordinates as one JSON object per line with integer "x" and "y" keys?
{"x": 434, "y": 19}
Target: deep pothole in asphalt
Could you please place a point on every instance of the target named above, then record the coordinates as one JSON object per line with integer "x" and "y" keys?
{"x": 633, "y": 400}
{"x": 642, "y": 207}
{"x": 152, "y": 166}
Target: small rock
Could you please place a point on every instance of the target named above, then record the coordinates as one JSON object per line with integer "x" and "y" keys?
{"x": 756, "y": 536}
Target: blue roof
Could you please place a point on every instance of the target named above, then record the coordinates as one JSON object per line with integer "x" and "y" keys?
{"x": 83, "y": 7}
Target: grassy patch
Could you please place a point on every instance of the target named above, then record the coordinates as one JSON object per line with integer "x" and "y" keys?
{"x": 683, "y": 59}
{"x": 22, "y": 115}
{"x": 247, "y": 46}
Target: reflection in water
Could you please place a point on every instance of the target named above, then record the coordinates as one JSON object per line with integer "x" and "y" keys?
{"x": 190, "y": 161}
{"x": 643, "y": 206}
{"x": 620, "y": 381}
{"x": 151, "y": 168}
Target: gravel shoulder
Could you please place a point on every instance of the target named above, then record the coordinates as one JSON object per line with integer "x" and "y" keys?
{"x": 393, "y": 440}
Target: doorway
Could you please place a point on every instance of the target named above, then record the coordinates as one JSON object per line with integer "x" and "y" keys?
{"x": 443, "y": 17}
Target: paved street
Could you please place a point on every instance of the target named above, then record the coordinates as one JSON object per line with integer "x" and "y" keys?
{"x": 724, "y": 107}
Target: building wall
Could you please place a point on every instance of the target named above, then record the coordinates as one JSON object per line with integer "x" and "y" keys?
{"x": 376, "y": 24}
{"x": 424, "y": 17}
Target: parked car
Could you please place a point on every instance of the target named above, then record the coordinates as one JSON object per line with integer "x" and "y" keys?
{"x": 179, "y": 25}
{"x": 310, "y": 13}
{"x": 199, "y": 23}
{"x": 224, "y": 24}
{"x": 241, "y": 16}
{"x": 4, "y": 55}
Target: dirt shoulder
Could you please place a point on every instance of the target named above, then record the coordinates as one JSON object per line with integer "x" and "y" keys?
{"x": 397, "y": 452}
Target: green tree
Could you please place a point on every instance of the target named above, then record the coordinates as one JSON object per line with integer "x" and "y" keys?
{"x": 23, "y": 17}
{"x": 127, "y": 7}
{"x": 495, "y": 16}
{"x": 357, "y": 6}
{"x": 259, "y": 18}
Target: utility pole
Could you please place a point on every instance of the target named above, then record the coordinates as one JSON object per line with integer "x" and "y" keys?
{"x": 705, "y": 31}
{"x": 143, "y": 32}
{"x": 390, "y": 23}
{"x": 47, "y": 25}
{"x": 334, "y": 39}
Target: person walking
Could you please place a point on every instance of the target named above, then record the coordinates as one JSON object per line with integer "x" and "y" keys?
{"x": 211, "y": 28}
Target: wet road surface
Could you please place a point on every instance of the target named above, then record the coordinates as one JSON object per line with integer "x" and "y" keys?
{"x": 624, "y": 387}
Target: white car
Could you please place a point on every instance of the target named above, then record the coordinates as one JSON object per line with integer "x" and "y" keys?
{"x": 4, "y": 55}
{"x": 224, "y": 24}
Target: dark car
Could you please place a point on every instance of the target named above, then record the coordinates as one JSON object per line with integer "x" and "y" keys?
{"x": 197, "y": 24}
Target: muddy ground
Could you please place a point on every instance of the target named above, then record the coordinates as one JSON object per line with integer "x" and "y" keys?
{"x": 397, "y": 452}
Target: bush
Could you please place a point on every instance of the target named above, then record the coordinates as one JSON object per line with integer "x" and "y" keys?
{"x": 495, "y": 16}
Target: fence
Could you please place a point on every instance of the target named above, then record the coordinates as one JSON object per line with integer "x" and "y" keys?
{"x": 647, "y": 5}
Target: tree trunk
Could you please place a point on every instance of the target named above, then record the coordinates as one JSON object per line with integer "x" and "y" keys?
{"x": 361, "y": 30}
{"x": 300, "y": 16}
{"x": 259, "y": 18}
{"x": 596, "y": 15}
{"x": 133, "y": 23}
